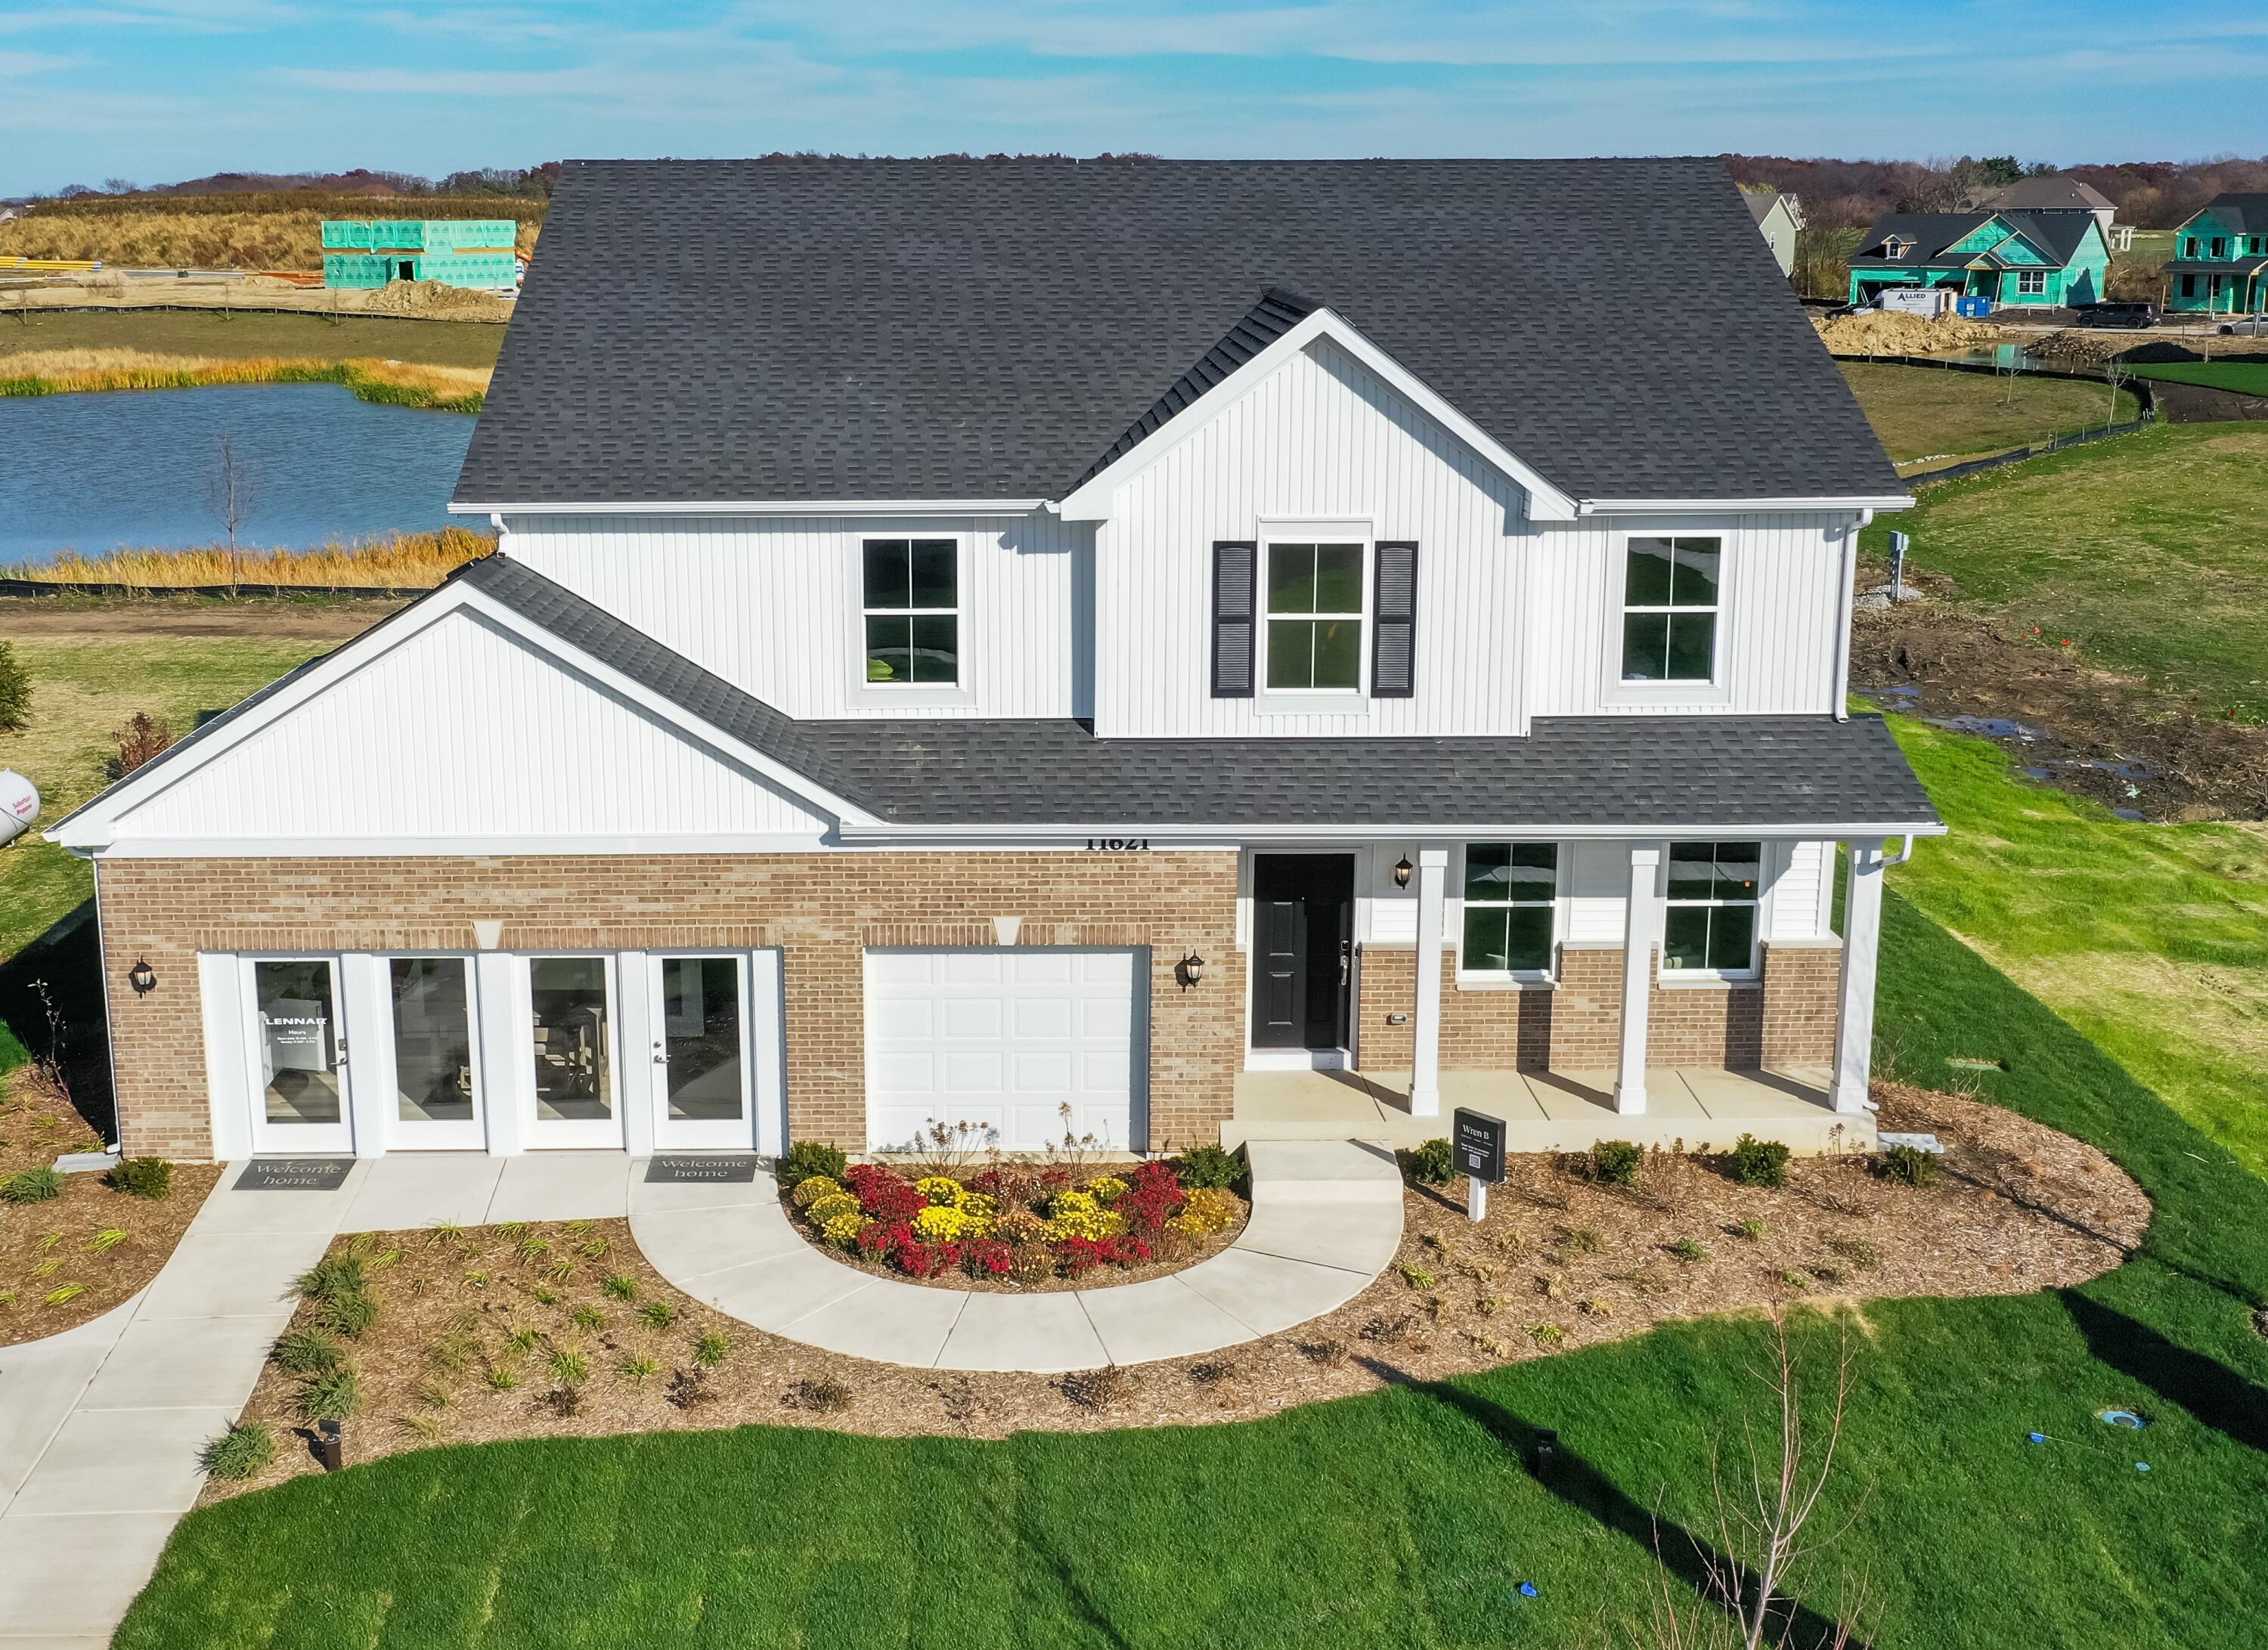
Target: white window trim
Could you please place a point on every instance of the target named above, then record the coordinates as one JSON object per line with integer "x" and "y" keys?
{"x": 2025, "y": 279}
{"x": 1718, "y": 689}
{"x": 1544, "y": 979}
{"x": 1684, "y": 979}
{"x": 1268, "y": 700}
{"x": 913, "y": 695}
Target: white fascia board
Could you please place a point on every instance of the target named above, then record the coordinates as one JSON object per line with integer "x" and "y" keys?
{"x": 1091, "y": 500}
{"x": 130, "y": 847}
{"x": 1178, "y": 836}
{"x": 1741, "y": 507}
{"x": 767, "y": 507}
{"x": 92, "y": 826}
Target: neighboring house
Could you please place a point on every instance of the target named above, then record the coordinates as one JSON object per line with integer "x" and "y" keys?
{"x": 2042, "y": 259}
{"x": 1777, "y": 221}
{"x": 2220, "y": 257}
{"x": 1030, "y": 640}
{"x": 2061, "y": 192}
{"x": 474, "y": 251}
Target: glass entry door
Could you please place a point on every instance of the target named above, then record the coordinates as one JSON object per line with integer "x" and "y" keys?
{"x": 571, "y": 1049}
{"x": 701, "y": 1066}
{"x": 436, "y": 1099}
{"x": 300, "y": 1102}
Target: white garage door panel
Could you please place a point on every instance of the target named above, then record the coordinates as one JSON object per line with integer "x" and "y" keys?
{"x": 1003, "y": 1037}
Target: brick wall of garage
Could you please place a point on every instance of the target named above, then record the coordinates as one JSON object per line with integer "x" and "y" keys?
{"x": 822, "y": 909}
{"x": 1786, "y": 1018}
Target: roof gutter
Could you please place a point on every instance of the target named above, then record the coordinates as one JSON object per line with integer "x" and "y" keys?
{"x": 1119, "y": 834}
{"x": 1729, "y": 506}
{"x": 763, "y": 508}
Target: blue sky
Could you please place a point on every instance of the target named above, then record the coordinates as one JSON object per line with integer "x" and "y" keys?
{"x": 158, "y": 90}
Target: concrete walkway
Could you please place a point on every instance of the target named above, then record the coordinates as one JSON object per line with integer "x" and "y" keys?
{"x": 1326, "y": 1219}
{"x": 100, "y": 1426}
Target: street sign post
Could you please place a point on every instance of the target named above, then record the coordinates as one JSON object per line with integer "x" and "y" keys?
{"x": 1478, "y": 1139}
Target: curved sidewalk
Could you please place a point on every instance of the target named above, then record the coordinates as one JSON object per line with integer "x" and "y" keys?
{"x": 1326, "y": 1219}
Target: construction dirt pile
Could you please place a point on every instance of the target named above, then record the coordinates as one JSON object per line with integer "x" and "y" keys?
{"x": 1887, "y": 332}
{"x": 2079, "y": 350}
{"x": 437, "y": 301}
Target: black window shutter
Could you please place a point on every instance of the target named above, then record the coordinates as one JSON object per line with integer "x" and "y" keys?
{"x": 1234, "y": 567}
{"x": 1393, "y": 622}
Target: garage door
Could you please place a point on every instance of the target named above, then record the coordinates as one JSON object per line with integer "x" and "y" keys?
{"x": 1005, "y": 1037}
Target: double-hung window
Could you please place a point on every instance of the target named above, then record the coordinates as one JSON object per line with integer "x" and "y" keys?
{"x": 1314, "y": 618}
{"x": 1669, "y": 609}
{"x": 1511, "y": 893}
{"x": 2033, "y": 281}
{"x": 912, "y": 612}
{"x": 1710, "y": 923}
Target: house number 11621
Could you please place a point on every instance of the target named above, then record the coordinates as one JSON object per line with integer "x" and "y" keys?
{"x": 1117, "y": 844}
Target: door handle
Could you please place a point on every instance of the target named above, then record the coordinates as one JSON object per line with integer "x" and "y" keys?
{"x": 1346, "y": 952}
{"x": 660, "y": 1056}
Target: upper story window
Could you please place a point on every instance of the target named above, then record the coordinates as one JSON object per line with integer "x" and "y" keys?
{"x": 912, "y": 609}
{"x": 1314, "y": 618}
{"x": 2220, "y": 247}
{"x": 1669, "y": 609}
{"x": 2031, "y": 281}
{"x": 1511, "y": 896}
{"x": 2189, "y": 246}
{"x": 1710, "y": 922}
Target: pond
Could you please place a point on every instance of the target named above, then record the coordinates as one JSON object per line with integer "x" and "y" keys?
{"x": 144, "y": 468}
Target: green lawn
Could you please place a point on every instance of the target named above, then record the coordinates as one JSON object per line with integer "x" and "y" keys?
{"x": 1929, "y": 413}
{"x": 234, "y": 336}
{"x": 2146, "y": 550}
{"x": 2248, "y": 377}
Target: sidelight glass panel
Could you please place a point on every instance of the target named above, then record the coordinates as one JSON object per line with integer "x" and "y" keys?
{"x": 432, "y": 1040}
{"x": 573, "y": 1055}
{"x": 299, "y": 1038}
{"x": 700, "y": 1037}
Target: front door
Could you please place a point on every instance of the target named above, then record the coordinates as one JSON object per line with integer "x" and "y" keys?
{"x": 1303, "y": 934}
{"x": 298, "y": 1057}
{"x": 702, "y": 1070}
{"x": 437, "y": 1092}
{"x": 571, "y": 1021}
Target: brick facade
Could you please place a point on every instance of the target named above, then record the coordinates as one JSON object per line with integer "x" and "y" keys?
{"x": 822, "y": 911}
{"x": 1786, "y": 1019}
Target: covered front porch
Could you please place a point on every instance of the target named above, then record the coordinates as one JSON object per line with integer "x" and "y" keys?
{"x": 1554, "y": 1112}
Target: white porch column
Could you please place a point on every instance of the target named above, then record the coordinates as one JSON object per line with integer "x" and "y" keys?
{"x": 1641, "y": 921}
{"x": 1426, "y": 1060}
{"x": 1854, "y": 1008}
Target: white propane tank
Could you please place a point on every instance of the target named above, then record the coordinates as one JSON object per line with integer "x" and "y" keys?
{"x": 19, "y": 804}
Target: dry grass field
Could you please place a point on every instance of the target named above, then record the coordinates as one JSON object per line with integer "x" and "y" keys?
{"x": 240, "y": 232}
{"x": 407, "y": 561}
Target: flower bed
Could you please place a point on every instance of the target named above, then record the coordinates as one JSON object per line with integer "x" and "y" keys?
{"x": 1013, "y": 1226}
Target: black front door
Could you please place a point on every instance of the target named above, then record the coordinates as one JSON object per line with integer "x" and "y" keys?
{"x": 1303, "y": 922}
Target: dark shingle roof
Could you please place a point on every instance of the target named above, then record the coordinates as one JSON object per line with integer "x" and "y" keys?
{"x": 710, "y": 331}
{"x": 1717, "y": 772}
{"x": 2241, "y": 214}
{"x": 2059, "y": 234}
{"x": 2051, "y": 191}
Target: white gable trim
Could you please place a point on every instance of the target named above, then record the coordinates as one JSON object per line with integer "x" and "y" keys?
{"x": 94, "y": 826}
{"x": 1092, "y": 500}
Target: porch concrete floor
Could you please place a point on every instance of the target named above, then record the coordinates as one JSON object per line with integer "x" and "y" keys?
{"x": 1551, "y": 1111}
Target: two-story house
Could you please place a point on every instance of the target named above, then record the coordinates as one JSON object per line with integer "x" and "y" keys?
{"x": 2046, "y": 260}
{"x": 2220, "y": 264}
{"x": 1191, "y": 650}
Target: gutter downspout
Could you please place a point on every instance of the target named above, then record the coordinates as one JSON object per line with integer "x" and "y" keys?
{"x": 1845, "y": 610}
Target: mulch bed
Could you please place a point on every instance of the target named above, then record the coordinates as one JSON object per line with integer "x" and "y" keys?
{"x": 2110, "y": 739}
{"x": 46, "y": 1247}
{"x": 1559, "y": 1264}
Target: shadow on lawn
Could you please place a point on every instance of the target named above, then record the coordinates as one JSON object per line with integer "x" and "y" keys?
{"x": 2211, "y": 1391}
{"x": 67, "y": 961}
{"x": 1581, "y": 1486}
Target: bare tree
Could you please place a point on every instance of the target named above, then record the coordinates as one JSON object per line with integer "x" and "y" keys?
{"x": 232, "y": 495}
{"x": 2008, "y": 367}
{"x": 2117, "y": 375}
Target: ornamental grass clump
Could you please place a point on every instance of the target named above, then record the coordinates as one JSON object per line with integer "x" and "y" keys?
{"x": 238, "y": 1453}
{"x": 32, "y": 1185}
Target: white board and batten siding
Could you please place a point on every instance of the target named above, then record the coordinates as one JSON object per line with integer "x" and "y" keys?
{"x": 465, "y": 731}
{"x": 773, "y": 604}
{"x": 1005, "y": 1037}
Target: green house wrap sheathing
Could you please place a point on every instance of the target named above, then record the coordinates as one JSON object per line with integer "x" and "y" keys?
{"x": 356, "y": 269}
{"x": 342, "y": 234}
{"x": 462, "y": 251}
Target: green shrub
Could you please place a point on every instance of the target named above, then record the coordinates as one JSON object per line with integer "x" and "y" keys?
{"x": 1686, "y": 1249}
{"x": 333, "y": 1276}
{"x": 1210, "y": 1168}
{"x": 806, "y": 1158}
{"x": 587, "y": 1316}
{"x": 32, "y": 1185}
{"x": 150, "y": 1177}
{"x": 1910, "y": 1166}
{"x": 238, "y": 1453}
{"x": 569, "y": 1369}
{"x": 712, "y": 1350}
{"x": 15, "y": 691}
{"x": 1751, "y": 1228}
{"x": 307, "y": 1352}
{"x": 1616, "y": 1162}
{"x": 658, "y": 1314}
{"x": 1431, "y": 1163}
{"x": 1759, "y": 1162}
{"x": 621, "y": 1286}
{"x": 332, "y": 1396}
{"x": 349, "y": 1313}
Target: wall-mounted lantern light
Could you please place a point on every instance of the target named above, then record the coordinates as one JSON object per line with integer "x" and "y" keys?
{"x": 1190, "y": 970}
{"x": 1401, "y": 870}
{"x": 142, "y": 978}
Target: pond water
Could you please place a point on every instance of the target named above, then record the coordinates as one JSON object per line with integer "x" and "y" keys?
{"x": 142, "y": 467}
